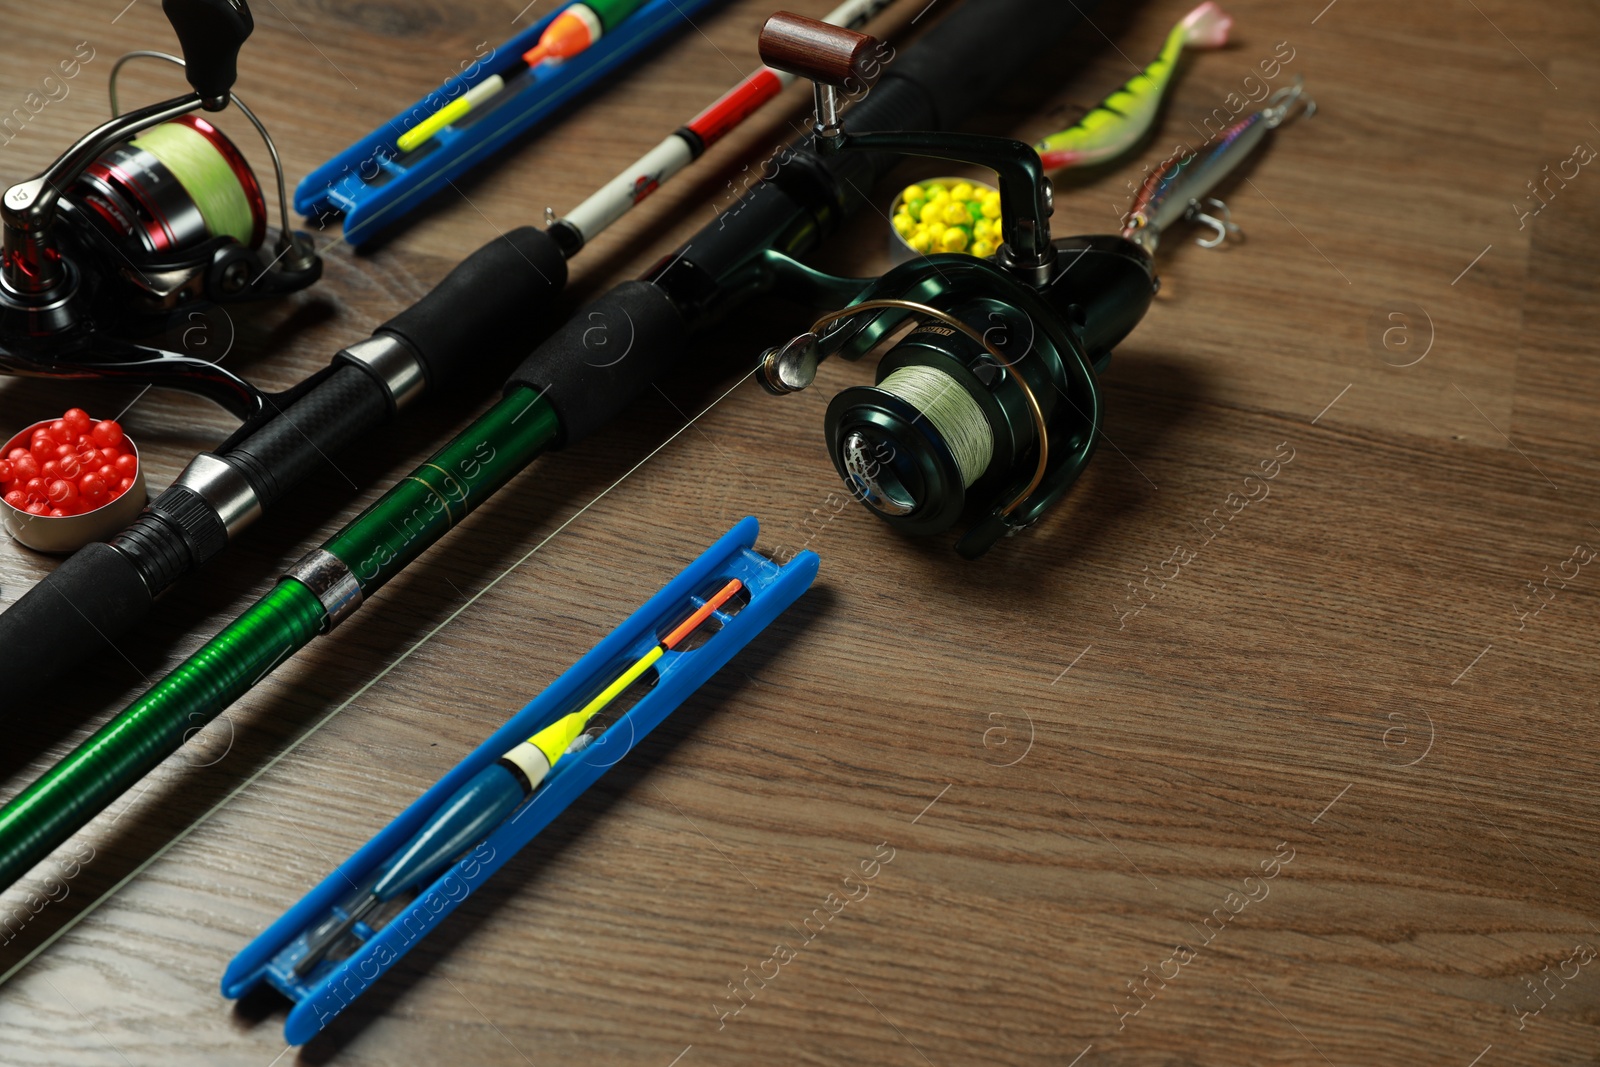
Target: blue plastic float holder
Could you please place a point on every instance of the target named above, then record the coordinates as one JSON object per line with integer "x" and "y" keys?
{"x": 373, "y": 185}
{"x": 334, "y": 985}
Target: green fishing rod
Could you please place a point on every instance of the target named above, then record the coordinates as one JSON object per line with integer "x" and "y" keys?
{"x": 571, "y": 386}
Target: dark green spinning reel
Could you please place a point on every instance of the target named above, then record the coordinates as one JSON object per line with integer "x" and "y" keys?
{"x": 988, "y": 408}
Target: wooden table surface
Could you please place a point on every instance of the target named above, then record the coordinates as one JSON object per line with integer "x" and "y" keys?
{"x": 1328, "y": 798}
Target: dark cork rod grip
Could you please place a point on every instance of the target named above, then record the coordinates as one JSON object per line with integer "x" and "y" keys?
{"x": 830, "y": 55}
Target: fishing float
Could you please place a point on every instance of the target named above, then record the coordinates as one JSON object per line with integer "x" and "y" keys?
{"x": 691, "y": 140}
{"x": 573, "y": 32}
{"x": 560, "y": 395}
{"x": 492, "y": 794}
{"x": 322, "y": 974}
{"x": 477, "y": 312}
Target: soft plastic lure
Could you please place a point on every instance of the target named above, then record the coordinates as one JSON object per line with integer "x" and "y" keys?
{"x": 1122, "y": 118}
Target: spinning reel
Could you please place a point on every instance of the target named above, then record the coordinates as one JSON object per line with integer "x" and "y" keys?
{"x": 990, "y": 405}
{"x": 152, "y": 213}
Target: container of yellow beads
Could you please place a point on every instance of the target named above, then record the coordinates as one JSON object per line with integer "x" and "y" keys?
{"x": 945, "y": 215}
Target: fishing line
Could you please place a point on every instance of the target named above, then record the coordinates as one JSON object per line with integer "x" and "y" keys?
{"x": 207, "y": 175}
{"x": 952, "y": 411}
{"x": 357, "y": 695}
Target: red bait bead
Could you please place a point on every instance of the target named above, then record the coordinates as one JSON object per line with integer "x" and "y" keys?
{"x": 42, "y": 447}
{"x": 16, "y": 452}
{"x": 92, "y": 486}
{"x": 17, "y": 499}
{"x": 107, "y": 434}
{"x": 35, "y": 488}
{"x": 57, "y": 513}
{"x": 62, "y": 492}
{"x": 6, "y": 471}
{"x": 69, "y": 466}
{"x": 78, "y": 421}
{"x": 126, "y": 465}
{"x": 25, "y": 466}
{"x": 124, "y": 485}
{"x": 37, "y": 507}
{"x": 50, "y": 470}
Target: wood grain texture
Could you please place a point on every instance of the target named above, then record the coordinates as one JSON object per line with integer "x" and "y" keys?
{"x": 1071, "y": 792}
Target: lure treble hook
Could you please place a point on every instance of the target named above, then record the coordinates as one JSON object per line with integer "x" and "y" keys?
{"x": 1288, "y": 102}
{"x": 1213, "y": 213}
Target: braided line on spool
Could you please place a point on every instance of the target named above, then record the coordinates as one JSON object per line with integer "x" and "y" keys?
{"x": 206, "y": 174}
{"x": 952, "y": 411}
{"x": 1041, "y": 428}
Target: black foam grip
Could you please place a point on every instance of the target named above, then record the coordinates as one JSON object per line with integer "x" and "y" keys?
{"x": 604, "y": 356}
{"x": 210, "y": 32}
{"x": 979, "y": 47}
{"x": 66, "y": 618}
{"x": 486, "y": 307}
{"x": 343, "y": 406}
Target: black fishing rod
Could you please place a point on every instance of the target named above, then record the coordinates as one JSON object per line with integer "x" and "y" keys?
{"x": 494, "y": 301}
{"x": 566, "y": 390}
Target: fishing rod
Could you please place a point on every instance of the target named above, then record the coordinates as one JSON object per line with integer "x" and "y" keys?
{"x": 478, "y": 313}
{"x": 563, "y": 392}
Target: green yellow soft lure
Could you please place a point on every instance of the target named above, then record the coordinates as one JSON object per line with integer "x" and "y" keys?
{"x": 1123, "y": 117}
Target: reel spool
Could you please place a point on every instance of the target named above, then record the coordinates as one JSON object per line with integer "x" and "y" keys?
{"x": 988, "y": 408}
{"x": 943, "y": 417}
{"x": 152, "y": 212}
{"x": 172, "y": 188}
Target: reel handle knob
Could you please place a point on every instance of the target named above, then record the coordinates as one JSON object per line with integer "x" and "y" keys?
{"x": 825, "y": 54}
{"x": 210, "y": 32}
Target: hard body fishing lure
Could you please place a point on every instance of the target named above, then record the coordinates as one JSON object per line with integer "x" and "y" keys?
{"x": 1166, "y": 195}
{"x": 1122, "y": 118}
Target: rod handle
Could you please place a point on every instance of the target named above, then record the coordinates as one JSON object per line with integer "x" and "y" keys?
{"x": 496, "y": 303}
{"x": 62, "y": 621}
{"x": 604, "y": 357}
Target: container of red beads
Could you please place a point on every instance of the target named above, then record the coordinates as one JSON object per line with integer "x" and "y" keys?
{"x": 69, "y": 481}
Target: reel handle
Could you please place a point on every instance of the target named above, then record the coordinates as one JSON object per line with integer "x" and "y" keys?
{"x": 210, "y": 32}
{"x": 815, "y": 50}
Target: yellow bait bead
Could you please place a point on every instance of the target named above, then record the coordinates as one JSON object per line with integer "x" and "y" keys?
{"x": 938, "y": 194}
{"x": 983, "y": 248}
{"x": 991, "y": 208}
{"x": 921, "y": 242}
{"x": 953, "y": 240}
{"x": 904, "y": 224}
{"x": 983, "y": 229}
{"x": 912, "y": 192}
{"x": 914, "y": 209}
{"x": 954, "y": 214}
{"x": 962, "y": 191}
